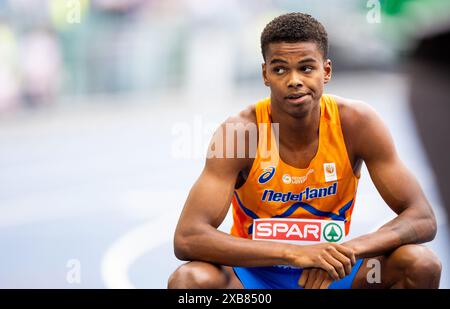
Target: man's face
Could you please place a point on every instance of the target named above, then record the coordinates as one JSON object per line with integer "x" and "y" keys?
{"x": 296, "y": 74}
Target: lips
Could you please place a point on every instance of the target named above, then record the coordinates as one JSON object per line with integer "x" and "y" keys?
{"x": 296, "y": 97}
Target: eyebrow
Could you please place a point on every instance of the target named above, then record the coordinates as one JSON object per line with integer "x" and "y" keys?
{"x": 278, "y": 60}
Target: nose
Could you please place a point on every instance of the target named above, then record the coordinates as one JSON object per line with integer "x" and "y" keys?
{"x": 294, "y": 80}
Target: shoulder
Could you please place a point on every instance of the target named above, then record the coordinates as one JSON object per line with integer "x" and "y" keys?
{"x": 363, "y": 128}
{"x": 241, "y": 128}
{"x": 230, "y": 144}
{"x": 245, "y": 116}
{"x": 353, "y": 113}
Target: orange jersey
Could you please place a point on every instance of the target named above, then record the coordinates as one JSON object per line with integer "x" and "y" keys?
{"x": 326, "y": 189}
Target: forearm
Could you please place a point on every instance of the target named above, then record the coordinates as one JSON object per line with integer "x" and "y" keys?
{"x": 406, "y": 228}
{"x": 214, "y": 246}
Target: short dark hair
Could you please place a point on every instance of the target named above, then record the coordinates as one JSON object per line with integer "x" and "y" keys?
{"x": 294, "y": 27}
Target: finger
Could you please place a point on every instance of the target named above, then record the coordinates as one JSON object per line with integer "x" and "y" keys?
{"x": 311, "y": 278}
{"x": 347, "y": 252}
{"x": 303, "y": 277}
{"x": 321, "y": 275}
{"x": 345, "y": 261}
{"x": 326, "y": 283}
{"x": 329, "y": 269}
{"x": 336, "y": 264}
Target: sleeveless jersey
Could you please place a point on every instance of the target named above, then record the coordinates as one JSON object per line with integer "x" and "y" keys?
{"x": 325, "y": 190}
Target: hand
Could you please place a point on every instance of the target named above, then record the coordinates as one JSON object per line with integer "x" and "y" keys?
{"x": 337, "y": 260}
{"x": 315, "y": 278}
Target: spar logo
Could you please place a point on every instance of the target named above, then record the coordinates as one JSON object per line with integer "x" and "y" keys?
{"x": 332, "y": 232}
{"x": 273, "y": 229}
{"x": 267, "y": 174}
{"x": 298, "y": 231}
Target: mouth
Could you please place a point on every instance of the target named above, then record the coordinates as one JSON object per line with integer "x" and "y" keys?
{"x": 296, "y": 97}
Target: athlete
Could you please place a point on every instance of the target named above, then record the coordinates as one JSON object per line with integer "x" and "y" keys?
{"x": 294, "y": 192}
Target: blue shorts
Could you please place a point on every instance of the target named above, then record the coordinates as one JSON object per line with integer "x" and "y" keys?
{"x": 275, "y": 277}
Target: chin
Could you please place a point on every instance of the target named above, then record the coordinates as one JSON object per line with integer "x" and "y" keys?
{"x": 298, "y": 109}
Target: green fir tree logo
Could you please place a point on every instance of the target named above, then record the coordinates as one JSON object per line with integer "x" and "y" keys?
{"x": 332, "y": 232}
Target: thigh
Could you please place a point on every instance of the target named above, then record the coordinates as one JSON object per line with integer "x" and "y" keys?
{"x": 408, "y": 266}
{"x": 381, "y": 272}
{"x": 371, "y": 274}
{"x": 233, "y": 280}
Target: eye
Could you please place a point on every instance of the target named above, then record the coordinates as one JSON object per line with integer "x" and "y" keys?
{"x": 307, "y": 69}
{"x": 279, "y": 70}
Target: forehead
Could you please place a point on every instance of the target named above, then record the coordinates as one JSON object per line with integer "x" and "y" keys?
{"x": 294, "y": 51}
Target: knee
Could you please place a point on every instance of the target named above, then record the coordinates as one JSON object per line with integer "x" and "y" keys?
{"x": 196, "y": 275}
{"x": 419, "y": 265}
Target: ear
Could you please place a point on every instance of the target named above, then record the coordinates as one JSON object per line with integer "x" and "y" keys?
{"x": 328, "y": 69}
{"x": 264, "y": 74}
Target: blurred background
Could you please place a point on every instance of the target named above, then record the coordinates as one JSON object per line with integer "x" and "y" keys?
{"x": 106, "y": 108}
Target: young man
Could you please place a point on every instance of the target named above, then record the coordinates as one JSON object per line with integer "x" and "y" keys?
{"x": 310, "y": 173}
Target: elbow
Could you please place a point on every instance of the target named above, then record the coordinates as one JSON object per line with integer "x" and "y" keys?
{"x": 188, "y": 242}
{"x": 429, "y": 228}
{"x": 181, "y": 247}
{"x": 432, "y": 228}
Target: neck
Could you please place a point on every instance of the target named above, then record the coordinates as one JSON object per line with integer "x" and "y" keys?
{"x": 297, "y": 131}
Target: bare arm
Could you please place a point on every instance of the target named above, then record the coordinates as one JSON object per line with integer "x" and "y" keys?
{"x": 197, "y": 237}
{"x": 370, "y": 141}
{"x": 398, "y": 187}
